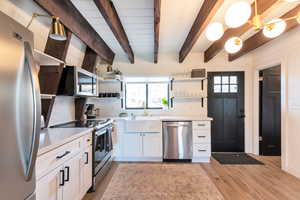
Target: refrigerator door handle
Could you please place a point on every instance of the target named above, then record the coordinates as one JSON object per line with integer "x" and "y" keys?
{"x": 37, "y": 111}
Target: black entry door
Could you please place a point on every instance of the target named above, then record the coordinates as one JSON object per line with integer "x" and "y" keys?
{"x": 226, "y": 107}
{"x": 270, "y": 112}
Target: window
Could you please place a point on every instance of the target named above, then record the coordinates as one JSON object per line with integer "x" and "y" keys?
{"x": 225, "y": 84}
{"x": 145, "y": 95}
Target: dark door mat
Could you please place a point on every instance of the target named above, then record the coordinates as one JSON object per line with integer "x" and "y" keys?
{"x": 235, "y": 159}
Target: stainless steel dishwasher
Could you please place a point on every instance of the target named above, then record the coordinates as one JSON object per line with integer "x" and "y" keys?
{"x": 177, "y": 140}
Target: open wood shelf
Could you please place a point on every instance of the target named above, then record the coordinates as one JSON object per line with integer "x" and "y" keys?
{"x": 47, "y": 96}
{"x": 174, "y": 80}
{"x": 200, "y": 97}
{"x": 109, "y": 80}
{"x": 188, "y": 79}
{"x": 109, "y": 98}
{"x": 46, "y": 60}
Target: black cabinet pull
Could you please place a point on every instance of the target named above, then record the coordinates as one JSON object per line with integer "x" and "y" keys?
{"x": 61, "y": 156}
{"x": 62, "y": 177}
{"x": 68, "y": 174}
{"x": 201, "y": 136}
{"x": 87, "y": 158}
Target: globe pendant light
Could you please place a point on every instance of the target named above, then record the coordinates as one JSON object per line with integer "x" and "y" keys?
{"x": 274, "y": 28}
{"x": 214, "y": 31}
{"x": 238, "y": 14}
{"x": 233, "y": 45}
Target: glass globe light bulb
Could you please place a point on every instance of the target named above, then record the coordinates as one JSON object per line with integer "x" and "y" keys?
{"x": 233, "y": 45}
{"x": 238, "y": 14}
{"x": 274, "y": 28}
{"x": 214, "y": 31}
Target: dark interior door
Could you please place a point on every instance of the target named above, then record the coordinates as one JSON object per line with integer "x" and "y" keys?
{"x": 270, "y": 112}
{"x": 226, "y": 107}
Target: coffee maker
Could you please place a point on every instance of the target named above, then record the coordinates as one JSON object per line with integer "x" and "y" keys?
{"x": 90, "y": 111}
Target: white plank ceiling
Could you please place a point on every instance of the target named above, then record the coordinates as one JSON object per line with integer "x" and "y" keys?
{"x": 177, "y": 17}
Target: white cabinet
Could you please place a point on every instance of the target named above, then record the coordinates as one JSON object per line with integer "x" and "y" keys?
{"x": 132, "y": 145}
{"x": 139, "y": 140}
{"x": 201, "y": 141}
{"x": 69, "y": 172}
{"x": 152, "y": 145}
{"x": 49, "y": 187}
{"x": 71, "y": 183}
{"x": 86, "y": 171}
{"x": 141, "y": 146}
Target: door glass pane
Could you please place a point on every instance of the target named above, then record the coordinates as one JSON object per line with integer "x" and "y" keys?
{"x": 233, "y": 79}
{"x": 225, "y": 80}
{"x": 156, "y": 92}
{"x": 233, "y": 88}
{"x": 217, "y": 80}
{"x": 135, "y": 95}
{"x": 225, "y": 88}
{"x": 217, "y": 88}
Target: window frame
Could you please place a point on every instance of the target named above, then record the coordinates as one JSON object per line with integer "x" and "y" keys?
{"x": 147, "y": 96}
{"x": 229, "y": 84}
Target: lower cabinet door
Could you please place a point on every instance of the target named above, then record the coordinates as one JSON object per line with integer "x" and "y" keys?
{"x": 49, "y": 187}
{"x": 132, "y": 146}
{"x": 152, "y": 145}
{"x": 86, "y": 173}
{"x": 71, "y": 189}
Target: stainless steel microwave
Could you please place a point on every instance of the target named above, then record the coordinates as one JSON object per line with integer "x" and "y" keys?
{"x": 76, "y": 81}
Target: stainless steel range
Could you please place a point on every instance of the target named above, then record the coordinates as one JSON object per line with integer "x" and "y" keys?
{"x": 102, "y": 145}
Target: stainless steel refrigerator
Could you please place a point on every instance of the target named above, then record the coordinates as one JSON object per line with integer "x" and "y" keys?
{"x": 20, "y": 111}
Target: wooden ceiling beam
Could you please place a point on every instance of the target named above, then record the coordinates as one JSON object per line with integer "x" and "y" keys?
{"x": 78, "y": 25}
{"x": 263, "y": 7}
{"x": 157, "y": 6}
{"x": 109, "y": 13}
{"x": 259, "y": 39}
{"x": 207, "y": 12}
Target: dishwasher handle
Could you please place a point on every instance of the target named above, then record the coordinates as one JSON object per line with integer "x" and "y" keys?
{"x": 177, "y": 124}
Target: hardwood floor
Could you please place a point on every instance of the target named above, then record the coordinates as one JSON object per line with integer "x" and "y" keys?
{"x": 239, "y": 182}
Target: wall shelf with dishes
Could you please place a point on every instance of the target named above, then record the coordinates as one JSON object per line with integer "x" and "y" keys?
{"x": 110, "y": 80}
{"x": 111, "y": 90}
{"x": 188, "y": 98}
{"x": 195, "y": 92}
{"x": 188, "y": 79}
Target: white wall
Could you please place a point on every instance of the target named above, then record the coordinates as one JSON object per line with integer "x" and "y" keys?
{"x": 285, "y": 51}
{"x": 63, "y": 110}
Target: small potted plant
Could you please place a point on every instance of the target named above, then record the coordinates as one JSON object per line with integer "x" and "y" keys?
{"x": 165, "y": 103}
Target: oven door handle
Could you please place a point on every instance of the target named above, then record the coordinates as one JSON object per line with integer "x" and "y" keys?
{"x": 100, "y": 132}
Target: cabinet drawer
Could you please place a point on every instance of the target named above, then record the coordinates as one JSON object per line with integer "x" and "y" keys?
{"x": 201, "y": 150}
{"x": 56, "y": 157}
{"x": 200, "y": 125}
{"x": 201, "y": 136}
{"x": 87, "y": 140}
